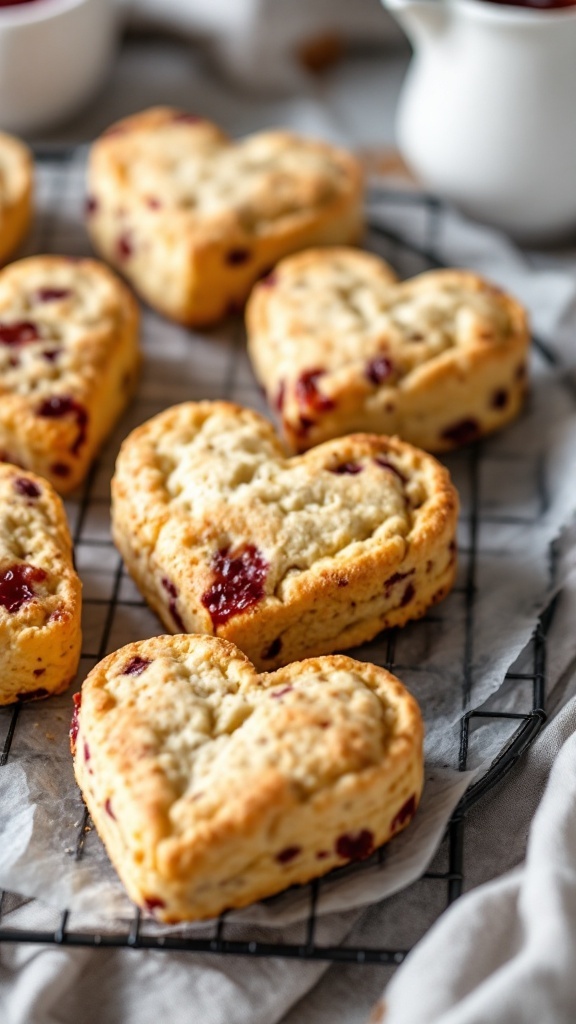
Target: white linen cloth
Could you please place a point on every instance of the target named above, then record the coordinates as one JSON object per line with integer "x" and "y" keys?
{"x": 506, "y": 951}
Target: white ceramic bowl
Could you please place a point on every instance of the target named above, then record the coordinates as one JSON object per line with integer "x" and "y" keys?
{"x": 53, "y": 55}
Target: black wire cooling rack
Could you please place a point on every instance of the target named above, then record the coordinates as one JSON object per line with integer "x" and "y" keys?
{"x": 523, "y": 725}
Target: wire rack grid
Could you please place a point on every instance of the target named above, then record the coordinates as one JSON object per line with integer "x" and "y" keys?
{"x": 59, "y": 175}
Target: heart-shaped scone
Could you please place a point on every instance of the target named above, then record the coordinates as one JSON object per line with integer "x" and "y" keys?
{"x": 68, "y": 363}
{"x": 439, "y": 360}
{"x": 16, "y": 185}
{"x": 213, "y": 786}
{"x": 287, "y": 558}
{"x": 193, "y": 219}
{"x": 40, "y": 593}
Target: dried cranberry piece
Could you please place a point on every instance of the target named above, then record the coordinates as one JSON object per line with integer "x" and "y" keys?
{"x": 269, "y": 280}
{"x": 20, "y": 333}
{"x": 305, "y": 424}
{"x": 355, "y": 845}
{"x": 91, "y": 205}
{"x": 307, "y": 394}
{"x": 153, "y": 203}
{"x": 280, "y": 693}
{"x": 405, "y": 814}
{"x": 288, "y": 854}
{"x": 462, "y": 432}
{"x": 63, "y": 405}
{"x": 60, "y": 469}
{"x": 407, "y": 595}
{"x": 86, "y": 752}
{"x": 379, "y": 369}
{"x": 151, "y": 902}
{"x": 136, "y": 666}
{"x": 38, "y": 672}
{"x": 124, "y": 246}
{"x": 52, "y": 294}
{"x": 75, "y": 724}
{"x": 172, "y": 607}
{"x": 27, "y": 488}
{"x": 322, "y": 854}
{"x": 51, "y": 354}
{"x": 274, "y": 650}
{"x": 280, "y": 396}
{"x": 499, "y": 399}
{"x": 236, "y": 257}
{"x": 239, "y": 579}
{"x": 346, "y": 467}
{"x": 173, "y": 592}
{"x": 385, "y": 463}
{"x": 188, "y": 118}
{"x": 108, "y": 809}
{"x": 397, "y": 577}
{"x": 16, "y": 585}
{"x": 169, "y": 587}
{"x": 176, "y": 616}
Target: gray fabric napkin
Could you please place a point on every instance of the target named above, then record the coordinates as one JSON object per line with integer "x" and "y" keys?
{"x": 506, "y": 951}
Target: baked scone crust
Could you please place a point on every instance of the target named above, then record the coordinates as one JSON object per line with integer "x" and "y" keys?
{"x": 40, "y": 593}
{"x": 69, "y": 357}
{"x": 16, "y": 189}
{"x": 287, "y": 558}
{"x": 339, "y": 346}
{"x": 192, "y": 219}
{"x": 212, "y": 786}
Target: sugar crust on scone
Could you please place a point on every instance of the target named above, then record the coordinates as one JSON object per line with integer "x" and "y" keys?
{"x": 16, "y": 187}
{"x": 340, "y": 346}
{"x": 40, "y": 593}
{"x": 213, "y": 787}
{"x": 286, "y": 557}
{"x": 69, "y": 357}
{"x": 192, "y": 218}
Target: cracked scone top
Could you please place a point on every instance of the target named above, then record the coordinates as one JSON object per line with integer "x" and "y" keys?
{"x": 16, "y": 184}
{"x": 68, "y": 362}
{"x": 339, "y": 345}
{"x": 193, "y": 219}
{"x": 40, "y": 593}
{"x": 285, "y": 557}
{"x": 212, "y": 786}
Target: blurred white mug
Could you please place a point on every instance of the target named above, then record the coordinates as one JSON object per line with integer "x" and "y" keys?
{"x": 53, "y": 55}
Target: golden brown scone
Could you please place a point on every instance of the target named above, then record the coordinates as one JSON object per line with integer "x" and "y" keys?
{"x": 340, "y": 346}
{"x": 193, "y": 219}
{"x": 16, "y": 187}
{"x": 212, "y": 786}
{"x": 69, "y": 358}
{"x": 40, "y": 593}
{"x": 287, "y": 558}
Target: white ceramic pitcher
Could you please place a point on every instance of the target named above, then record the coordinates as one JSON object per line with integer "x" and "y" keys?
{"x": 487, "y": 117}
